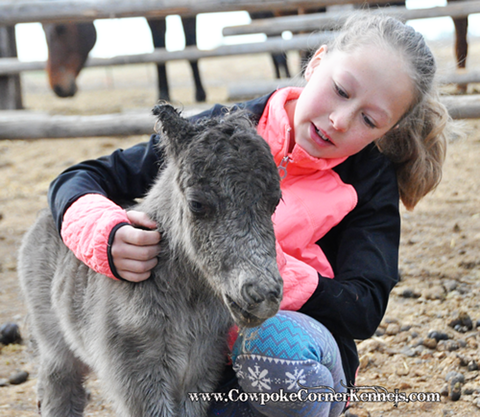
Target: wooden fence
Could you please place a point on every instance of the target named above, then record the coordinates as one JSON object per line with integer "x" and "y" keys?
{"x": 36, "y": 125}
{"x": 23, "y": 11}
{"x": 160, "y": 55}
{"x": 42, "y": 125}
{"x": 331, "y": 20}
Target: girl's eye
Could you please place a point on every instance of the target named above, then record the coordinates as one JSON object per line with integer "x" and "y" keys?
{"x": 368, "y": 121}
{"x": 340, "y": 91}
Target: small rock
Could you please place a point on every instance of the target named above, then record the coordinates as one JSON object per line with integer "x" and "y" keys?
{"x": 476, "y": 402}
{"x": 430, "y": 343}
{"x": 418, "y": 342}
{"x": 444, "y": 391}
{"x": 3, "y": 382}
{"x": 450, "y": 285}
{"x": 455, "y": 391}
{"x": 448, "y": 345}
{"x": 409, "y": 352}
{"x": 463, "y": 323}
{"x": 409, "y": 293}
{"x": 454, "y": 376}
{"x": 392, "y": 329}
{"x": 364, "y": 361}
{"x": 389, "y": 320}
{"x": 357, "y": 413}
{"x": 472, "y": 365}
{"x": 380, "y": 332}
{"x": 371, "y": 345}
{"x": 435, "y": 292}
{"x": 468, "y": 391}
{"x": 463, "y": 360}
{"x": 404, "y": 386}
{"x": 10, "y": 333}
{"x": 438, "y": 335}
{"x": 402, "y": 369}
{"x": 18, "y": 378}
{"x": 472, "y": 343}
{"x": 413, "y": 240}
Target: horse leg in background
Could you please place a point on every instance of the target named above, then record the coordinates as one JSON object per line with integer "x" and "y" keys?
{"x": 279, "y": 60}
{"x": 461, "y": 47}
{"x": 158, "y": 28}
{"x": 68, "y": 47}
{"x": 190, "y": 30}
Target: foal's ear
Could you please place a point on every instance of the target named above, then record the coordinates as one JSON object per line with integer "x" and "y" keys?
{"x": 178, "y": 131}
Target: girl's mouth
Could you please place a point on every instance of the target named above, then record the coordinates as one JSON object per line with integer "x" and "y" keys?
{"x": 319, "y": 136}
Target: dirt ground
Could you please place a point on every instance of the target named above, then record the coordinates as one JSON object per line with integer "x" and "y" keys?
{"x": 440, "y": 247}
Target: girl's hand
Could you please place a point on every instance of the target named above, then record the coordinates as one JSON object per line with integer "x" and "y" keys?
{"x": 134, "y": 250}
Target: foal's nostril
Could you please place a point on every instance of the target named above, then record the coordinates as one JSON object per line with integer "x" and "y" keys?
{"x": 251, "y": 295}
{"x": 275, "y": 294}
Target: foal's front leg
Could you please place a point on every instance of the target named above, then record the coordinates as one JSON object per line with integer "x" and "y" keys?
{"x": 60, "y": 390}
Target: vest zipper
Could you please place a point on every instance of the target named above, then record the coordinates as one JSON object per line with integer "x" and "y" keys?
{"x": 282, "y": 167}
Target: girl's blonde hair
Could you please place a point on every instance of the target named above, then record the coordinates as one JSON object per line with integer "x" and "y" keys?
{"x": 417, "y": 144}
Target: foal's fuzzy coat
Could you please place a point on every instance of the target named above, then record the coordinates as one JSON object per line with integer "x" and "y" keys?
{"x": 153, "y": 342}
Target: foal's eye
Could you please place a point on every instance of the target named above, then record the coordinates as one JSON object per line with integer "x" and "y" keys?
{"x": 197, "y": 208}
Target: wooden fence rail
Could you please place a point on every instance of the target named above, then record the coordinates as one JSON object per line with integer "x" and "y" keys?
{"x": 160, "y": 55}
{"x": 245, "y": 90}
{"x": 330, "y": 20}
{"x": 24, "y": 11}
{"x": 34, "y": 125}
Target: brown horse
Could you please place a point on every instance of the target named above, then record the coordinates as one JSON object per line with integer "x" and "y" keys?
{"x": 68, "y": 47}
{"x": 70, "y": 43}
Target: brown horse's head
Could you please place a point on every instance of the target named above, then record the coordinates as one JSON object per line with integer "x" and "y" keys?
{"x": 68, "y": 48}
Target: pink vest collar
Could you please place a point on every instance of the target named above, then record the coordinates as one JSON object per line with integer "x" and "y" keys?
{"x": 275, "y": 128}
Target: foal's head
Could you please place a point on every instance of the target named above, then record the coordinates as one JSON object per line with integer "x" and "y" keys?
{"x": 227, "y": 186}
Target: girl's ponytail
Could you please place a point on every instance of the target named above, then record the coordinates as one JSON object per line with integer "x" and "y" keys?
{"x": 417, "y": 147}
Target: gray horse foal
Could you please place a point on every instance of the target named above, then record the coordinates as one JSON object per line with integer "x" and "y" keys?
{"x": 153, "y": 342}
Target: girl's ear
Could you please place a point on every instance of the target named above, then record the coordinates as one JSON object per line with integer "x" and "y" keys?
{"x": 315, "y": 61}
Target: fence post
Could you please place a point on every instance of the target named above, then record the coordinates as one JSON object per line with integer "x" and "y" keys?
{"x": 10, "y": 87}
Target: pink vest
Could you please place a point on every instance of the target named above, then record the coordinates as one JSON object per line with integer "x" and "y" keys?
{"x": 314, "y": 199}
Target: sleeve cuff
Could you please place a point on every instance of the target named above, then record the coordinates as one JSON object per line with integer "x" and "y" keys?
{"x": 88, "y": 228}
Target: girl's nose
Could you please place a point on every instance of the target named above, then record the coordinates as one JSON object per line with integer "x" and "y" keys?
{"x": 341, "y": 119}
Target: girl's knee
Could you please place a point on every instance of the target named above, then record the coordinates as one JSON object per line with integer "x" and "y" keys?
{"x": 289, "y": 335}
{"x": 290, "y": 354}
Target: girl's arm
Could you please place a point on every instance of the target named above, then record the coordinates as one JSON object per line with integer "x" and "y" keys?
{"x": 85, "y": 202}
{"x": 121, "y": 177}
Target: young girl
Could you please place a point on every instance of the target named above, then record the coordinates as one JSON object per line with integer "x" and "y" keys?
{"x": 365, "y": 130}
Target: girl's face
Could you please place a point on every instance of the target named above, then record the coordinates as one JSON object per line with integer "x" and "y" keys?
{"x": 350, "y": 100}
